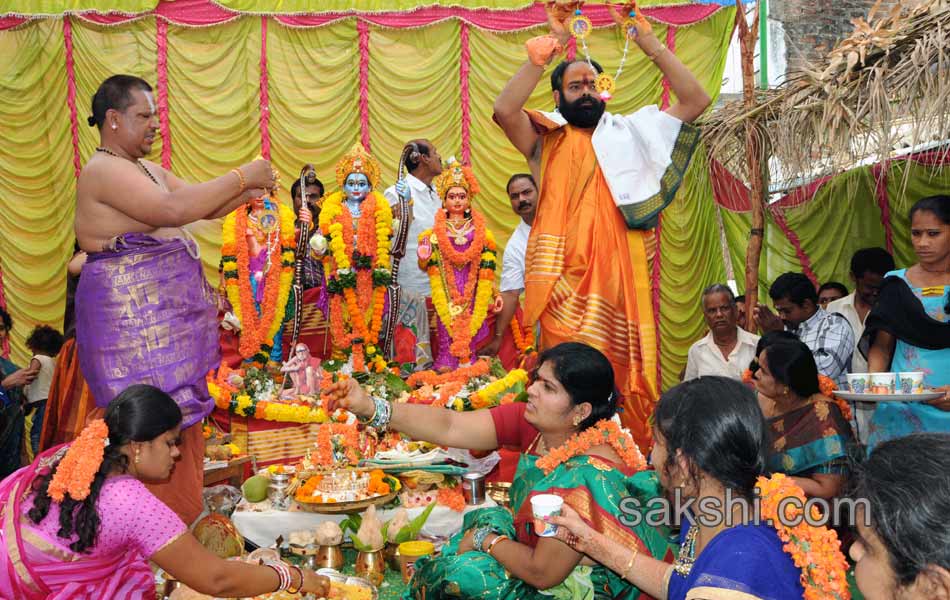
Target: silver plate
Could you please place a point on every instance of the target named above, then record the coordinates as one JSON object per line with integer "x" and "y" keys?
{"x": 855, "y": 397}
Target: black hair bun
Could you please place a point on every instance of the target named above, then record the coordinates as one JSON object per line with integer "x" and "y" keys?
{"x": 91, "y": 121}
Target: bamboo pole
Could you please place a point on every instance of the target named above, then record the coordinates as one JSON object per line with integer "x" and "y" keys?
{"x": 748, "y": 35}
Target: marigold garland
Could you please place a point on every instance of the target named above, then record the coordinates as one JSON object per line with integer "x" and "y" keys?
{"x": 462, "y": 374}
{"x": 359, "y": 273}
{"x": 828, "y": 388}
{"x": 604, "y": 432}
{"x": 257, "y": 329}
{"x": 480, "y": 259}
{"x": 814, "y": 550}
{"x": 77, "y": 469}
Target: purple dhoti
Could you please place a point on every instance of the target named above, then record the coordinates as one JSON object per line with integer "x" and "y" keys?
{"x": 146, "y": 314}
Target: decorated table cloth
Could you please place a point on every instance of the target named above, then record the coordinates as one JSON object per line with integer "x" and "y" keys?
{"x": 262, "y": 525}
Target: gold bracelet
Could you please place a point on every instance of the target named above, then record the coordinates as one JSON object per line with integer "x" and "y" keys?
{"x": 657, "y": 53}
{"x": 629, "y": 567}
{"x": 241, "y": 179}
{"x": 497, "y": 539}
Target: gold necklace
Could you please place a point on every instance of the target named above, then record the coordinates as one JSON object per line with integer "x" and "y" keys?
{"x": 687, "y": 554}
{"x": 459, "y": 233}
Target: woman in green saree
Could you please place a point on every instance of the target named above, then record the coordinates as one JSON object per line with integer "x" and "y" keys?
{"x": 570, "y": 448}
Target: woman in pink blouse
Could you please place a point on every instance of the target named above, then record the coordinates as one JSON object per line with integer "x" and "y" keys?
{"x": 79, "y": 523}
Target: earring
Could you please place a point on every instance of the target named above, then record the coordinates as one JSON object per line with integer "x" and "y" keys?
{"x": 577, "y": 421}
{"x": 114, "y": 127}
{"x": 138, "y": 458}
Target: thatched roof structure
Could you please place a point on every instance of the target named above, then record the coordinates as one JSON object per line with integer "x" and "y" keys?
{"x": 893, "y": 70}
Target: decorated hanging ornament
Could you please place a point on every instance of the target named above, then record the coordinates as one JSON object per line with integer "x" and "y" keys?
{"x": 581, "y": 27}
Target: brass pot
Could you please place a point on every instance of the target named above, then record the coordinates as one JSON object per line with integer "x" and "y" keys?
{"x": 329, "y": 557}
{"x": 391, "y": 553}
{"x": 371, "y": 566}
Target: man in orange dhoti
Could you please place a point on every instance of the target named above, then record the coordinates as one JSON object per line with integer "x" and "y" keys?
{"x": 604, "y": 179}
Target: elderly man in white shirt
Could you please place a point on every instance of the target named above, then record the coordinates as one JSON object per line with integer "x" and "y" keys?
{"x": 523, "y": 194}
{"x": 727, "y": 350}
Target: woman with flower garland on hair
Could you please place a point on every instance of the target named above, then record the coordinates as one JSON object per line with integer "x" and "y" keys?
{"x": 570, "y": 447}
{"x": 811, "y": 436}
{"x": 711, "y": 448}
{"x": 903, "y": 546}
{"x": 458, "y": 253}
{"x": 79, "y": 524}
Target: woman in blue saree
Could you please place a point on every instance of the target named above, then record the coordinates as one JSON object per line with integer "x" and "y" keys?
{"x": 711, "y": 444}
{"x": 909, "y": 328}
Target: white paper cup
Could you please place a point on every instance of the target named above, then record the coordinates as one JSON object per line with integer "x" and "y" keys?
{"x": 910, "y": 382}
{"x": 858, "y": 382}
{"x": 882, "y": 383}
{"x": 545, "y": 505}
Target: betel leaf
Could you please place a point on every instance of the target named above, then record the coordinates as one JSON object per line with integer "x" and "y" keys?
{"x": 411, "y": 531}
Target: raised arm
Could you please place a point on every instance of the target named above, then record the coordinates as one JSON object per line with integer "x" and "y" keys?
{"x": 509, "y": 107}
{"x": 692, "y": 98}
{"x": 473, "y": 430}
{"x": 185, "y": 204}
{"x": 509, "y": 110}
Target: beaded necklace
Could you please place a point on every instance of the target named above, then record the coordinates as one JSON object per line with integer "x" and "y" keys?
{"x": 139, "y": 162}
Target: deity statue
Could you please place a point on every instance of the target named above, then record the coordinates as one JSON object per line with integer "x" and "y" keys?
{"x": 357, "y": 225}
{"x": 458, "y": 253}
{"x": 257, "y": 239}
{"x": 304, "y": 371}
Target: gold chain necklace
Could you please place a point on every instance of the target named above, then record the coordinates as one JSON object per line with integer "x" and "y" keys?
{"x": 140, "y": 164}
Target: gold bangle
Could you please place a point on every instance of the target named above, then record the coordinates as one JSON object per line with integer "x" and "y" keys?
{"x": 241, "y": 179}
{"x": 629, "y": 567}
{"x": 497, "y": 539}
{"x": 657, "y": 53}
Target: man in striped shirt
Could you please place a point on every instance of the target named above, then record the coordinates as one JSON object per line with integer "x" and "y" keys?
{"x": 828, "y": 335}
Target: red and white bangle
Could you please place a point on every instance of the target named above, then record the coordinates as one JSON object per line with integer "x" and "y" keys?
{"x": 290, "y": 589}
{"x": 283, "y": 573}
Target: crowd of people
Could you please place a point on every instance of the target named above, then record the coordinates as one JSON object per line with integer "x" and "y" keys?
{"x": 755, "y": 418}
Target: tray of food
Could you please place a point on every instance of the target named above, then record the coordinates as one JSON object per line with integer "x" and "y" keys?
{"x": 866, "y": 397}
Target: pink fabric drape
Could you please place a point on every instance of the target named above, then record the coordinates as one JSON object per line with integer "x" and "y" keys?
{"x": 71, "y": 93}
{"x": 363, "y": 29}
{"x": 779, "y": 217}
{"x": 265, "y": 101}
{"x": 465, "y": 65}
{"x": 202, "y": 13}
{"x": 880, "y": 191}
{"x": 161, "y": 68}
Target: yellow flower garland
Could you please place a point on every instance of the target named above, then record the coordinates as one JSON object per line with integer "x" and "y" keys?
{"x": 490, "y": 395}
{"x": 278, "y": 412}
{"x": 341, "y": 253}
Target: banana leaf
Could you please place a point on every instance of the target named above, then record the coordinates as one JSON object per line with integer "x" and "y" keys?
{"x": 410, "y": 531}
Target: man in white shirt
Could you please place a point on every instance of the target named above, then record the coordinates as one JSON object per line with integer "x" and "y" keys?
{"x": 868, "y": 267}
{"x": 423, "y": 163}
{"x": 727, "y": 350}
{"x": 523, "y": 194}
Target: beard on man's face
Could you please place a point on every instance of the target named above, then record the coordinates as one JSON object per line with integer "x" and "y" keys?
{"x": 584, "y": 112}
